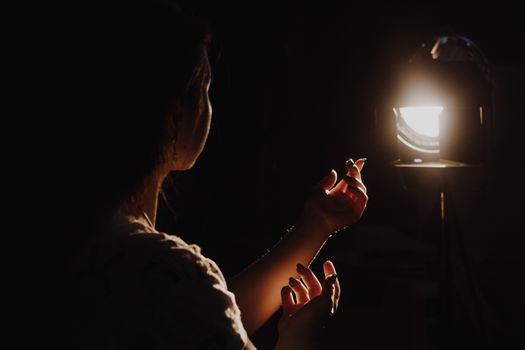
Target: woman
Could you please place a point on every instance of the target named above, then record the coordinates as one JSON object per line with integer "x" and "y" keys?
{"x": 139, "y": 78}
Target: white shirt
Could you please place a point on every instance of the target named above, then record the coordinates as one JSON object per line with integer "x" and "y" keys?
{"x": 148, "y": 290}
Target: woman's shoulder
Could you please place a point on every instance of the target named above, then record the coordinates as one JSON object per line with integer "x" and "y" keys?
{"x": 146, "y": 284}
{"x": 135, "y": 245}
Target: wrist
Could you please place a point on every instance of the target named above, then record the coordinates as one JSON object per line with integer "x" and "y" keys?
{"x": 313, "y": 225}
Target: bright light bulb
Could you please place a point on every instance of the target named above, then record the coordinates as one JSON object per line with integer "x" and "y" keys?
{"x": 423, "y": 120}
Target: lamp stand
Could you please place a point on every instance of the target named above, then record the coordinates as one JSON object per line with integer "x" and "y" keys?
{"x": 456, "y": 288}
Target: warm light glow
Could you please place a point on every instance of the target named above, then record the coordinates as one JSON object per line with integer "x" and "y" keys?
{"x": 424, "y": 119}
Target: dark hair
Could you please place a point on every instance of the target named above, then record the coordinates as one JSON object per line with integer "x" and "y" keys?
{"x": 130, "y": 63}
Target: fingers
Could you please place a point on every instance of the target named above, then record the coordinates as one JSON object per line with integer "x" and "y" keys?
{"x": 322, "y": 300}
{"x": 360, "y": 163}
{"x": 286, "y": 296}
{"x": 359, "y": 196}
{"x": 301, "y": 293}
{"x": 311, "y": 288}
{"x": 353, "y": 182}
{"x": 322, "y": 307}
{"x": 329, "y": 270}
{"x": 352, "y": 177}
{"x": 329, "y": 293}
{"x": 310, "y": 280}
{"x": 329, "y": 285}
{"x": 328, "y": 181}
{"x": 287, "y": 300}
{"x": 354, "y": 168}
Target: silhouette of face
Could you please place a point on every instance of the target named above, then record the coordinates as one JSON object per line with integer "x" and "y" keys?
{"x": 193, "y": 127}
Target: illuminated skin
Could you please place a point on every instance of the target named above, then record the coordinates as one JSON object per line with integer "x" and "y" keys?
{"x": 259, "y": 290}
{"x": 331, "y": 206}
{"x": 193, "y": 129}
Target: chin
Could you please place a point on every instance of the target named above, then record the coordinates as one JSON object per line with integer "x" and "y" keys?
{"x": 187, "y": 160}
{"x": 187, "y": 165}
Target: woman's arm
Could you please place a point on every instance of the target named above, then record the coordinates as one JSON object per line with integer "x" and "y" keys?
{"x": 257, "y": 288}
{"x": 331, "y": 207}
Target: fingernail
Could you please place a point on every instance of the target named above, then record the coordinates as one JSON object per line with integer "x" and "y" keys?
{"x": 328, "y": 261}
{"x": 363, "y": 159}
{"x": 351, "y": 161}
{"x": 300, "y": 267}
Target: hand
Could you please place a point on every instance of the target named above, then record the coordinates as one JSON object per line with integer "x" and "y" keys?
{"x": 304, "y": 318}
{"x": 337, "y": 205}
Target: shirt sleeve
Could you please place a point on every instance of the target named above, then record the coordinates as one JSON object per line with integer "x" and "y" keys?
{"x": 188, "y": 303}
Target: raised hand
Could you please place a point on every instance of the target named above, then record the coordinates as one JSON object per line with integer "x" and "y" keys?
{"x": 336, "y": 205}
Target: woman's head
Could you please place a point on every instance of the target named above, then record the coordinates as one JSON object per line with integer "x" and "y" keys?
{"x": 139, "y": 77}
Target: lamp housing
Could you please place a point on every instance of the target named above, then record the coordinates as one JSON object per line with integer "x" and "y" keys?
{"x": 442, "y": 104}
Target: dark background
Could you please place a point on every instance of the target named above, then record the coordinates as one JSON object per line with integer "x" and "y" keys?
{"x": 294, "y": 90}
{"x": 295, "y": 86}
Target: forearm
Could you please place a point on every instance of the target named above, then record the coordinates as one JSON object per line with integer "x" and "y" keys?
{"x": 257, "y": 288}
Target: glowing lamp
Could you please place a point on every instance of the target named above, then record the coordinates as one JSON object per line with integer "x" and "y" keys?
{"x": 443, "y": 104}
{"x": 418, "y": 127}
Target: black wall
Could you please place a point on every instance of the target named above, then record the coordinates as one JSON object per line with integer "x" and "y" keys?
{"x": 294, "y": 90}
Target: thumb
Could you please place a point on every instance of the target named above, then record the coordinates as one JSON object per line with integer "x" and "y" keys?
{"x": 360, "y": 163}
{"x": 328, "y": 294}
{"x": 328, "y": 181}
